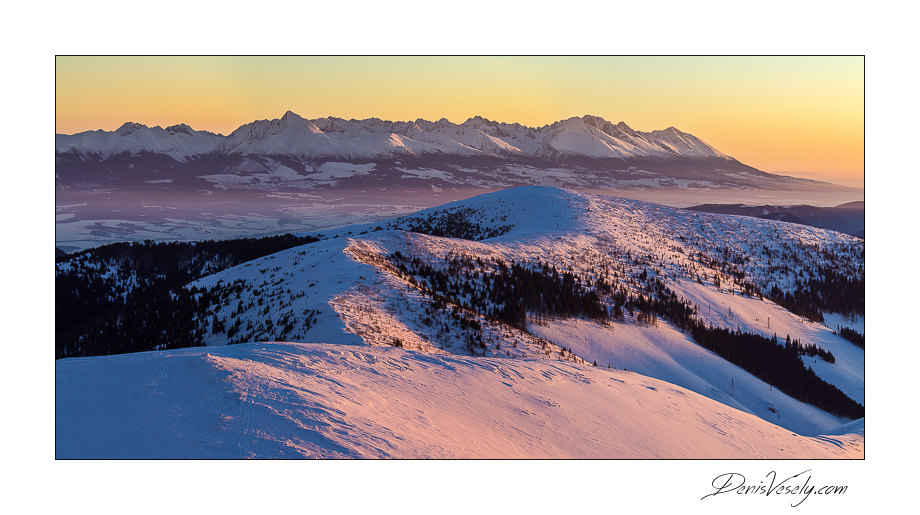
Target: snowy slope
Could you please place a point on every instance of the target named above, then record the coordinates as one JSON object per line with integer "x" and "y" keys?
{"x": 349, "y": 289}
{"x": 283, "y": 400}
{"x": 667, "y": 354}
{"x": 766, "y": 318}
{"x": 342, "y": 290}
{"x": 582, "y": 230}
{"x": 350, "y": 281}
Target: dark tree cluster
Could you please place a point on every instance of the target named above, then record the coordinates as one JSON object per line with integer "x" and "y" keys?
{"x": 267, "y": 328}
{"x": 778, "y": 365}
{"x": 832, "y": 283}
{"x": 463, "y": 323}
{"x": 829, "y": 292}
{"x": 660, "y": 301}
{"x": 455, "y": 223}
{"x": 505, "y": 293}
{"x": 160, "y": 255}
{"x": 147, "y": 320}
{"x": 809, "y": 350}
{"x": 130, "y": 297}
{"x": 853, "y": 336}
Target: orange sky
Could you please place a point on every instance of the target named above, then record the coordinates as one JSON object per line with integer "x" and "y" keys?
{"x": 795, "y": 115}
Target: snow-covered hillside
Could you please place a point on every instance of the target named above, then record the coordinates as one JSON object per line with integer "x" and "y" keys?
{"x": 537, "y": 279}
{"x": 664, "y": 353}
{"x": 583, "y": 233}
{"x": 592, "y": 237}
{"x": 285, "y": 400}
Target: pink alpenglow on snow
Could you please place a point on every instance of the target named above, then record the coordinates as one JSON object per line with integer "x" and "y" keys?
{"x": 286, "y": 400}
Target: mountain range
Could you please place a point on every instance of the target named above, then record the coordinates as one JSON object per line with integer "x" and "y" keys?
{"x": 373, "y": 138}
{"x": 288, "y": 174}
{"x": 296, "y": 152}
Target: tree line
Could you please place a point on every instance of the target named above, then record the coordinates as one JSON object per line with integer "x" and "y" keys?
{"x": 130, "y": 297}
{"x": 502, "y": 292}
{"x": 507, "y": 293}
{"x": 453, "y": 223}
{"x": 853, "y": 336}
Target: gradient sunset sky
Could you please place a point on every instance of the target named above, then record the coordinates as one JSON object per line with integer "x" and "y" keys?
{"x": 796, "y": 115}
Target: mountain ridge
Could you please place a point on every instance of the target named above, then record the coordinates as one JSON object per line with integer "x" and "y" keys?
{"x": 361, "y": 169}
{"x": 293, "y": 152}
{"x": 294, "y": 135}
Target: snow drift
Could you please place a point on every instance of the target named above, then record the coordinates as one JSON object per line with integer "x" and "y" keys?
{"x": 286, "y": 400}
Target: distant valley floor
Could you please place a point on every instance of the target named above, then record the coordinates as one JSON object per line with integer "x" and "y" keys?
{"x": 90, "y": 218}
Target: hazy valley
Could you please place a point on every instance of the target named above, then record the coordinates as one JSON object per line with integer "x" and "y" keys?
{"x": 293, "y": 174}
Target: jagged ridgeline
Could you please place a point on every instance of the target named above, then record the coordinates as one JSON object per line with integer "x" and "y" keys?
{"x": 129, "y": 297}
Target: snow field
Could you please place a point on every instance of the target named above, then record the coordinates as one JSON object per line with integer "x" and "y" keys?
{"x": 283, "y": 400}
{"x": 667, "y": 354}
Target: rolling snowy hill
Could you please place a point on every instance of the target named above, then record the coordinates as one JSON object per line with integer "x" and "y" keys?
{"x": 538, "y": 279}
{"x": 284, "y": 400}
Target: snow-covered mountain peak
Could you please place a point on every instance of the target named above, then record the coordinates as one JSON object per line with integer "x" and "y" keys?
{"x": 292, "y": 119}
{"x": 481, "y": 123}
{"x": 600, "y": 123}
{"x": 575, "y": 122}
{"x": 129, "y": 128}
{"x": 177, "y": 141}
{"x": 291, "y": 134}
{"x": 682, "y": 143}
{"x": 331, "y": 124}
{"x": 291, "y": 114}
{"x": 373, "y": 138}
{"x": 627, "y": 129}
{"x": 548, "y": 213}
{"x": 185, "y": 129}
